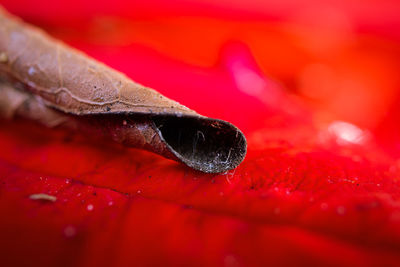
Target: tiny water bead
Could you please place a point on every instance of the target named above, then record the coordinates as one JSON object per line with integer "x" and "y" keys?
{"x": 341, "y": 210}
{"x": 90, "y": 207}
{"x": 277, "y": 211}
{"x": 31, "y": 71}
{"x": 69, "y": 231}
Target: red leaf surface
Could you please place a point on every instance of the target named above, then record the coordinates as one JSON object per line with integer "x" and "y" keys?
{"x": 313, "y": 189}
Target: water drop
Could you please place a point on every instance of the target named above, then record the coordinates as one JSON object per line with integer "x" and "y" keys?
{"x": 341, "y": 210}
{"x": 90, "y": 207}
{"x": 69, "y": 231}
{"x": 31, "y": 71}
{"x": 277, "y": 211}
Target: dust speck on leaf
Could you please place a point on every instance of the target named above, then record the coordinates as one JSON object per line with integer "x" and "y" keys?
{"x": 3, "y": 57}
{"x": 42, "y": 196}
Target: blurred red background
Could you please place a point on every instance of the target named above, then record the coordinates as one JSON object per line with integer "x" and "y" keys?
{"x": 314, "y": 86}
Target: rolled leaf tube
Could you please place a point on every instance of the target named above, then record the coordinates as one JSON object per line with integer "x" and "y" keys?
{"x": 45, "y": 80}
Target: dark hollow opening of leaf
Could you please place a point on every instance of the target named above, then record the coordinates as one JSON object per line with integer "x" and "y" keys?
{"x": 204, "y": 144}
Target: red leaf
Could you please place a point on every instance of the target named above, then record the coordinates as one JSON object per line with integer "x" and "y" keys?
{"x": 311, "y": 190}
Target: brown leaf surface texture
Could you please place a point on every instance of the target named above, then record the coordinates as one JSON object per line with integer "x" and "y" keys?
{"x": 43, "y": 79}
